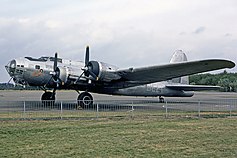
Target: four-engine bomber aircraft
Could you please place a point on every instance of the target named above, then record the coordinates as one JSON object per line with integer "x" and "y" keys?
{"x": 92, "y": 76}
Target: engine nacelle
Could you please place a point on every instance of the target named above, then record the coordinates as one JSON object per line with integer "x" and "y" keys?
{"x": 104, "y": 71}
{"x": 63, "y": 74}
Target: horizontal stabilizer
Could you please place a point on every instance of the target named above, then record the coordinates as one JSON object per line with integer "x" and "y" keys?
{"x": 192, "y": 87}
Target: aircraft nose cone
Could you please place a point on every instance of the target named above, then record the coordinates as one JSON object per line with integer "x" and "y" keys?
{"x": 11, "y": 67}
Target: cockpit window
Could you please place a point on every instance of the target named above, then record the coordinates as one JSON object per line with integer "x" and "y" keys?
{"x": 34, "y": 59}
{"x": 43, "y": 59}
{"x": 37, "y": 67}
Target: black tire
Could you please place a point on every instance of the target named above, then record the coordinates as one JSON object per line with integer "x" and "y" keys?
{"x": 48, "y": 98}
{"x": 161, "y": 100}
{"x": 85, "y": 100}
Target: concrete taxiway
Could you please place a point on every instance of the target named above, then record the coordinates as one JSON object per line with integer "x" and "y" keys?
{"x": 25, "y": 95}
{"x": 66, "y": 100}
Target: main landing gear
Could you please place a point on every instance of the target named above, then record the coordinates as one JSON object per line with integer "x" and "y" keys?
{"x": 84, "y": 100}
{"x": 48, "y": 98}
{"x": 161, "y": 99}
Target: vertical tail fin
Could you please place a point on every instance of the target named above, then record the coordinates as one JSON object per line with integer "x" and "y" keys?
{"x": 179, "y": 56}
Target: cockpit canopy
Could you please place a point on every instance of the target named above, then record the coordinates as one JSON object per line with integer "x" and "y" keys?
{"x": 44, "y": 59}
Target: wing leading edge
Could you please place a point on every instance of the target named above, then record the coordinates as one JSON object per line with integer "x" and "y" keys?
{"x": 153, "y": 74}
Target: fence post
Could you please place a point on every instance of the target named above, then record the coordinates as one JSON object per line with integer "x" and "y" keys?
{"x": 212, "y": 107}
{"x": 199, "y": 109}
{"x": 166, "y": 110}
{"x": 97, "y": 111}
{"x": 132, "y": 110}
{"x": 61, "y": 109}
{"x": 230, "y": 110}
{"x": 24, "y": 109}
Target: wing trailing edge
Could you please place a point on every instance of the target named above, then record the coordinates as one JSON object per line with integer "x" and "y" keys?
{"x": 192, "y": 87}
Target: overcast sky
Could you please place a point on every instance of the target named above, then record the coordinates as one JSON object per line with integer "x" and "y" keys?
{"x": 121, "y": 32}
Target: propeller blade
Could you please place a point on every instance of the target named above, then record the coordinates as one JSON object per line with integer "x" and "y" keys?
{"x": 87, "y": 56}
{"x": 79, "y": 77}
{"x": 55, "y": 65}
{"x": 93, "y": 75}
{"x": 49, "y": 81}
{"x": 9, "y": 81}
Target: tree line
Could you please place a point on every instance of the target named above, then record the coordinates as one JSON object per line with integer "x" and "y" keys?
{"x": 228, "y": 81}
{"x": 9, "y": 86}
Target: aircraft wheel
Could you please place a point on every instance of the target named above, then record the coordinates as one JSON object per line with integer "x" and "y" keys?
{"x": 161, "y": 100}
{"x": 48, "y": 98}
{"x": 85, "y": 100}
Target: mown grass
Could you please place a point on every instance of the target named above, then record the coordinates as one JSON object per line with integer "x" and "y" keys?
{"x": 124, "y": 137}
{"x": 77, "y": 114}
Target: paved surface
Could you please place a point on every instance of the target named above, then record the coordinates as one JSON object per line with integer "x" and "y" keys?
{"x": 203, "y": 101}
{"x": 72, "y": 95}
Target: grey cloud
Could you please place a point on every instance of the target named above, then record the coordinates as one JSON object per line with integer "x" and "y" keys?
{"x": 199, "y": 30}
{"x": 130, "y": 39}
{"x": 182, "y": 33}
{"x": 228, "y": 35}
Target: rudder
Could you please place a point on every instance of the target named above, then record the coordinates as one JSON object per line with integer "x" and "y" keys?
{"x": 179, "y": 56}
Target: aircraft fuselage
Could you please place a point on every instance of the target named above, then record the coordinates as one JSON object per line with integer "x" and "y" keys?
{"x": 94, "y": 76}
{"x": 28, "y": 71}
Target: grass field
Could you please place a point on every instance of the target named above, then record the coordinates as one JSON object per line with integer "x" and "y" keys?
{"x": 138, "y": 137}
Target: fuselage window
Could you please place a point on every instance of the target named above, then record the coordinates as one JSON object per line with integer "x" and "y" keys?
{"x": 22, "y": 65}
{"x": 37, "y": 67}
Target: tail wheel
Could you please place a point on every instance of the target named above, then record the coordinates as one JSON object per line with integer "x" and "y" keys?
{"x": 161, "y": 99}
{"x": 85, "y": 100}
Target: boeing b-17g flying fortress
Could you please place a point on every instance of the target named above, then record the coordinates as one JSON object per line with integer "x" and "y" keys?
{"x": 53, "y": 73}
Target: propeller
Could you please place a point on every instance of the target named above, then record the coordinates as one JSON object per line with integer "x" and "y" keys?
{"x": 87, "y": 56}
{"x": 55, "y": 64}
{"x": 88, "y": 69}
{"x": 9, "y": 81}
{"x": 56, "y": 72}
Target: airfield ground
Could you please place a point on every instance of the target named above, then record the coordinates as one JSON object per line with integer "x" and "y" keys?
{"x": 8, "y": 95}
{"x": 118, "y": 136}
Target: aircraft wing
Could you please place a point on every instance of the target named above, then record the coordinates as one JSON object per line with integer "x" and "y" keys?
{"x": 192, "y": 87}
{"x": 159, "y": 73}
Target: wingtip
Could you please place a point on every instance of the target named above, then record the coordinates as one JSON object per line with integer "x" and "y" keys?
{"x": 230, "y": 64}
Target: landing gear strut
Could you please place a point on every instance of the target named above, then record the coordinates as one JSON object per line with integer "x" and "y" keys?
{"x": 85, "y": 100}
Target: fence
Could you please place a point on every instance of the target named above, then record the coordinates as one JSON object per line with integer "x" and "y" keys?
{"x": 21, "y": 110}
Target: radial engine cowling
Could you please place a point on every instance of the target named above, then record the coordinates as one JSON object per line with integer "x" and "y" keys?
{"x": 105, "y": 72}
{"x": 63, "y": 74}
